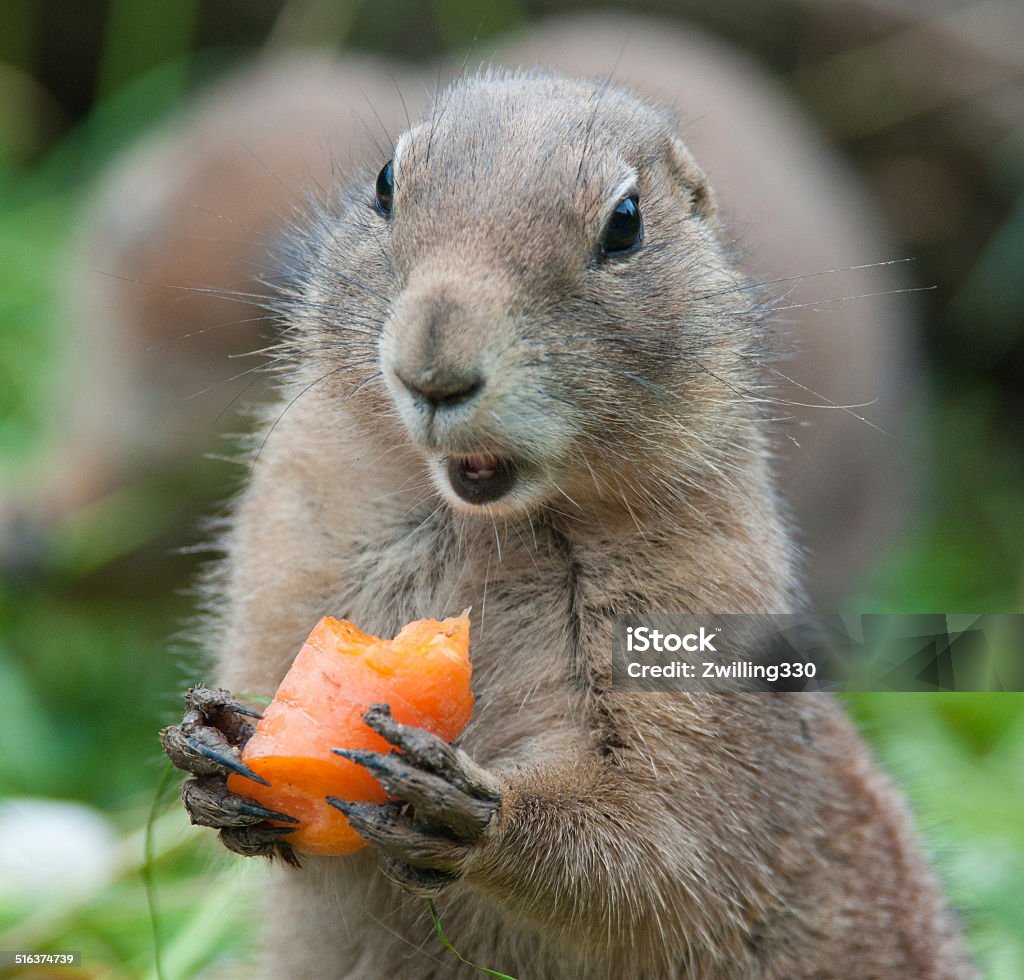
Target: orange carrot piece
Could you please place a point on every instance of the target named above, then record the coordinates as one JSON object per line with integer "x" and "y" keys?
{"x": 423, "y": 674}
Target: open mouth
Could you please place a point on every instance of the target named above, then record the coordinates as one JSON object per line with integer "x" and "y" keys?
{"x": 481, "y": 478}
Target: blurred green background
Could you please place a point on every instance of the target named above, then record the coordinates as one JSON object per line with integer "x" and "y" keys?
{"x": 92, "y": 653}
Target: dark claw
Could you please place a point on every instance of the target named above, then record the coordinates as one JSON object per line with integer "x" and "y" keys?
{"x": 239, "y": 767}
{"x": 433, "y": 754}
{"x": 241, "y": 709}
{"x": 363, "y": 756}
{"x": 380, "y": 823}
{"x": 396, "y": 834}
{"x": 209, "y": 700}
{"x": 255, "y": 810}
{"x": 274, "y": 831}
{"x": 359, "y": 811}
{"x": 210, "y": 804}
{"x": 435, "y": 800}
{"x": 426, "y": 750}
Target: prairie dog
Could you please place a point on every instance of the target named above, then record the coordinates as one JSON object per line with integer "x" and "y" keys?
{"x": 523, "y": 379}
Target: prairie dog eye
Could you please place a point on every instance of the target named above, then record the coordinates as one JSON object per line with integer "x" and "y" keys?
{"x": 625, "y": 227}
{"x": 385, "y": 188}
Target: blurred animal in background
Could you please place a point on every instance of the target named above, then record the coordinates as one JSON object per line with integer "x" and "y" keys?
{"x": 176, "y": 252}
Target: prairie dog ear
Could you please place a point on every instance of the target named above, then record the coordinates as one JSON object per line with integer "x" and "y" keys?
{"x": 685, "y": 169}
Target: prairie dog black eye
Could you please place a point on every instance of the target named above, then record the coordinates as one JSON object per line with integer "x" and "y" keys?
{"x": 385, "y": 188}
{"x": 625, "y": 227}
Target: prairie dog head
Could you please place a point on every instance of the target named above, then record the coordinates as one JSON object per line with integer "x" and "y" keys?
{"x": 531, "y": 293}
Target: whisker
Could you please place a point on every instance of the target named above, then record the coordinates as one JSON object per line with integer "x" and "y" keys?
{"x": 761, "y": 284}
{"x": 828, "y": 403}
{"x": 843, "y": 299}
{"x": 312, "y": 384}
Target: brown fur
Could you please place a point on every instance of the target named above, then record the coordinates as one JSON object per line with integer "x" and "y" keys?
{"x": 639, "y": 836}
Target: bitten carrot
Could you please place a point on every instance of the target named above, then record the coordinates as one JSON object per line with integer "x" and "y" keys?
{"x": 423, "y": 674}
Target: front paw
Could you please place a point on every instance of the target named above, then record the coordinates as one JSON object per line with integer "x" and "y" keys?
{"x": 446, "y": 805}
{"x": 208, "y": 744}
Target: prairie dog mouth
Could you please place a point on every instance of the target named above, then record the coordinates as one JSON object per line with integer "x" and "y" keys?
{"x": 481, "y": 478}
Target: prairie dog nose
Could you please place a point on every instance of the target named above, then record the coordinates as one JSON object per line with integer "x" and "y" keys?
{"x": 440, "y": 388}
{"x": 438, "y": 340}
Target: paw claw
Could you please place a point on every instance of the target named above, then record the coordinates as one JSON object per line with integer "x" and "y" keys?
{"x": 219, "y": 757}
{"x": 360, "y": 756}
{"x": 352, "y": 810}
{"x": 264, "y": 813}
{"x": 371, "y": 820}
{"x": 242, "y": 709}
{"x": 436, "y": 800}
{"x": 210, "y": 804}
{"x": 208, "y": 701}
{"x": 433, "y": 755}
{"x": 403, "y": 839}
